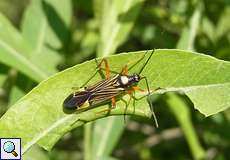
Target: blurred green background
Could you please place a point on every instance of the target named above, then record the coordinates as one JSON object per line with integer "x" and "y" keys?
{"x": 78, "y": 30}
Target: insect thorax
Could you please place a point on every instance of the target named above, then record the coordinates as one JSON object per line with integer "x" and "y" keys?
{"x": 125, "y": 81}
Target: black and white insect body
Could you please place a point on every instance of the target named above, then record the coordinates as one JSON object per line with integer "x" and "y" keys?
{"x": 128, "y": 80}
{"x": 101, "y": 91}
{"x": 107, "y": 89}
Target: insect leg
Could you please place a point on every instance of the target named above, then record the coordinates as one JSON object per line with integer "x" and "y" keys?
{"x": 138, "y": 61}
{"x": 127, "y": 104}
{"x": 136, "y": 88}
{"x": 148, "y": 100}
{"x": 124, "y": 71}
{"x": 113, "y": 100}
{"x": 133, "y": 89}
{"x": 153, "y": 113}
{"x": 107, "y": 70}
{"x": 151, "y": 107}
{"x": 98, "y": 68}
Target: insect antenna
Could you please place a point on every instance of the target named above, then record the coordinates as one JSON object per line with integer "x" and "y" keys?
{"x": 150, "y": 103}
{"x": 142, "y": 68}
{"x": 148, "y": 96}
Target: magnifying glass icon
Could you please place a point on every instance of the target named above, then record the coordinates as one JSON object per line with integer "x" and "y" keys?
{"x": 9, "y": 147}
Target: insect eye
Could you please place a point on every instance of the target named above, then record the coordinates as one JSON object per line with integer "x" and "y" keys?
{"x": 137, "y": 78}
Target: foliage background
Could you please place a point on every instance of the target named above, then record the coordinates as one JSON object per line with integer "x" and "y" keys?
{"x": 76, "y": 31}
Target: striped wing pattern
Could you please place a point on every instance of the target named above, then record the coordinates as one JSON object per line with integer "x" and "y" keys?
{"x": 104, "y": 90}
{"x": 76, "y": 100}
{"x": 95, "y": 94}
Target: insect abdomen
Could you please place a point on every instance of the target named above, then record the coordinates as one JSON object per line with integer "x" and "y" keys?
{"x": 73, "y": 102}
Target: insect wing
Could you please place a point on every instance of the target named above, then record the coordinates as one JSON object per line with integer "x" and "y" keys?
{"x": 104, "y": 90}
{"x": 76, "y": 100}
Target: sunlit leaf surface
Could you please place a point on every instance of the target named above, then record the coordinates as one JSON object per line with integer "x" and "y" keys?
{"x": 39, "y": 118}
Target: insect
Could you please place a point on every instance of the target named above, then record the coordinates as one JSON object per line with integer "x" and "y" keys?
{"x": 108, "y": 89}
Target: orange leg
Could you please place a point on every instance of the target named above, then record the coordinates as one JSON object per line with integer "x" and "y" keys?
{"x": 130, "y": 91}
{"x": 124, "y": 71}
{"x": 113, "y": 100}
{"x": 107, "y": 70}
{"x": 113, "y": 103}
{"x": 133, "y": 89}
{"x": 136, "y": 88}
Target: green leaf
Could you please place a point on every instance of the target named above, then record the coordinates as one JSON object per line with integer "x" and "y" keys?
{"x": 37, "y": 32}
{"x": 188, "y": 35}
{"x": 181, "y": 110}
{"x": 15, "y": 52}
{"x": 176, "y": 104}
{"x": 59, "y": 15}
{"x": 15, "y": 94}
{"x": 223, "y": 25}
{"x": 88, "y": 141}
{"x": 209, "y": 29}
{"x": 51, "y": 25}
{"x": 203, "y": 78}
{"x": 108, "y": 158}
{"x": 105, "y": 139}
{"x": 115, "y": 19}
{"x": 2, "y": 78}
{"x": 35, "y": 153}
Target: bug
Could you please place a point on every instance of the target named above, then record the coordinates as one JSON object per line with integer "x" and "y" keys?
{"x": 108, "y": 89}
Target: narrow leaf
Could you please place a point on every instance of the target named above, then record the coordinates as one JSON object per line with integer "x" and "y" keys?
{"x": 15, "y": 52}
{"x": 180, "y": 109}
{"x": 189, "y": 32}
{"x": 37, "y": 33}
{"x": 109, "y": 130}
{"x": 51, "y": 25}
{"x": 176, "y": 103}
{"x": 115, "y": 19}
{"x": 39, "y": 117}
